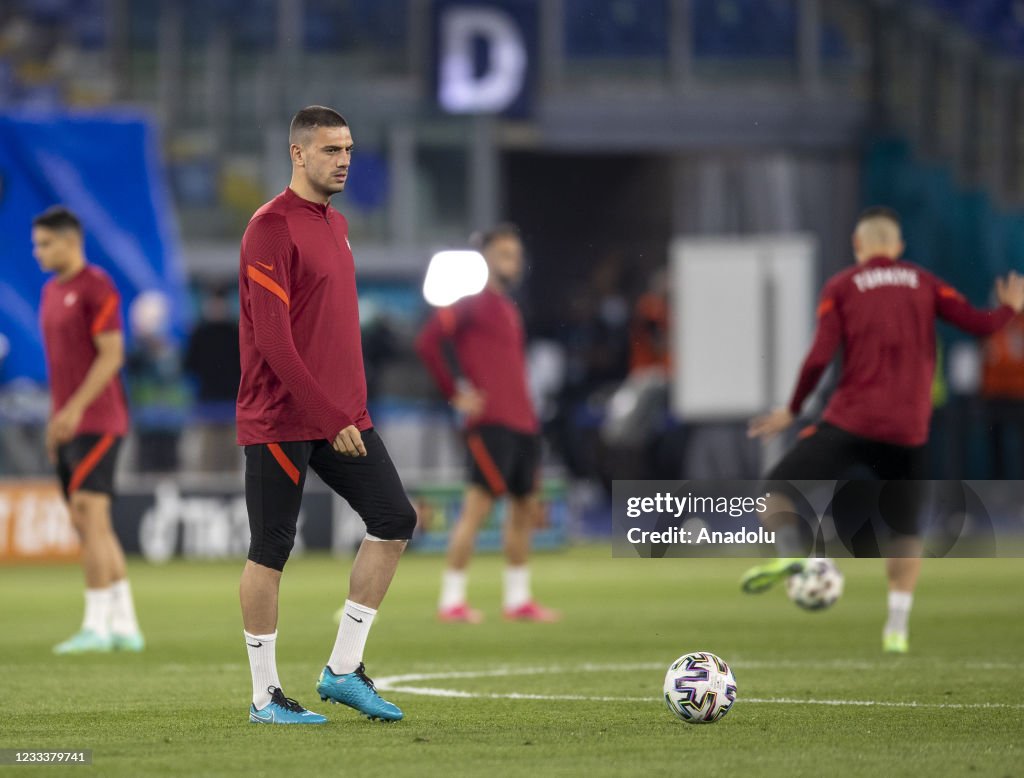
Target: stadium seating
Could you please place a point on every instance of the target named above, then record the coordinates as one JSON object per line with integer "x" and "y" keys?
{"x": 722, "y": 29}
{"x": 622, "y": 29}
{"x": 999, "y": 22}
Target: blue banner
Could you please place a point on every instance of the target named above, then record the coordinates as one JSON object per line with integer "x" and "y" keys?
{"x": 106, "y": 168}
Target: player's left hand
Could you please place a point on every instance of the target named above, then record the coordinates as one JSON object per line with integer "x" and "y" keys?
{"x": 62, "y": 427}
{"x": 771, "y": 424}
{"x": 1010, "y": 291}
{"x": 350, "y": 442}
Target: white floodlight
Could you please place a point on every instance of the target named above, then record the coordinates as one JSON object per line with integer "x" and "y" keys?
{"x": 452, "y": 275}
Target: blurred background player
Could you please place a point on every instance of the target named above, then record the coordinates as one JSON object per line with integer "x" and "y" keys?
{"x": 81, "y": 323}
{"x": 302, "y": 403}
{"x": 212, "y": 359}
{"x": 1002, "y": 392}
{"x": 881, "y": 313}
{"x": 475, "y": 351}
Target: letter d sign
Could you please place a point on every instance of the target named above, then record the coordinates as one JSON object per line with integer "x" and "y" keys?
{"x": 482, "y": 59}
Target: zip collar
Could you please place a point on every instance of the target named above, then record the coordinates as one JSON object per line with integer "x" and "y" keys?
{"x": 295, "y": 201}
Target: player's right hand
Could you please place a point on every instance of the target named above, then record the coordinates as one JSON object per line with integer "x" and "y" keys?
{"x": 771, "y": 424}
{"x": 349, "y": 442}
{"x": 469, "y": 402}
{"x": 1010, "y": 290}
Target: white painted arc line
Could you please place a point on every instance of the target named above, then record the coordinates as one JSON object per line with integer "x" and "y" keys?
{"x": 839, "y": 664}
{"x": 398, "y": 683}
{"x": 434, "y": 692}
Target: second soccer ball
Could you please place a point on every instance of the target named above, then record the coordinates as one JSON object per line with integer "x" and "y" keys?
{"x": 817, "y": 586}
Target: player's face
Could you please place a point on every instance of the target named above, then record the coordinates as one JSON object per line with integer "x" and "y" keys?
{"x": 53, "y": 249}
{"x": 326, "y": 158}
{"x": 504, "y": 257}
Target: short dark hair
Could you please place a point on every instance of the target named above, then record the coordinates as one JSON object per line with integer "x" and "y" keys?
{"x": 484, "y": 238}
{"x": 311, "y": 117}
{"x": 880, "y": 212}
{"x": 58, "y": 217}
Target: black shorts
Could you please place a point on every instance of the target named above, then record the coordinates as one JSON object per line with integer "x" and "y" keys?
{"x": 883, "y": 481}
{"x": 825, "y": 452}
{"x": 87, "y": 462}
{"x": 502, "y": 460}
{"x": 275, "y": 474}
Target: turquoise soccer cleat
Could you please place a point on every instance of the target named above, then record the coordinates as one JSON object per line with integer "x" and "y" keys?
{"x": 356, "y": 690}
{"x": 764, "y": 577}
{"x": 133, "y": 643}
{"x": 85, "y": 641}
{"x": 283, "y": 710}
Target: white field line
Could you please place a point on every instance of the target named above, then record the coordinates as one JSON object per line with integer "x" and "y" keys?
{"x": 400, "y": 683}
{"x": 898, "y": 664}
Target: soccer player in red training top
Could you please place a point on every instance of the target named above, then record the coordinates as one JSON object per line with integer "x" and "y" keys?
{"x": 882, "y": 314}
{"x": 483, "y": 336}
{"x": 302, "y": 404}
{"x": 81, "y": 322}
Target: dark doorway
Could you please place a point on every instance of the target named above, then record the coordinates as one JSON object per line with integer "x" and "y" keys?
{"x": 586, "y": 219}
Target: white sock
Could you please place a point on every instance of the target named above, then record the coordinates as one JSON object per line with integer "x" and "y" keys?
{"x": 122, "y": 612}
{"x": 263, "y": 664}
{"x": 356, "y": 621}
{"x": 98, "y": 604}
{"x": 787, "y": 541}
{"x": 899, "y": 612}
{"x": 453, "y": 589}
{"x": 517, "y": 586}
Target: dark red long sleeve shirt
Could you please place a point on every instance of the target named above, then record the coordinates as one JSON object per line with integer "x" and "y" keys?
{"x": 489, "y": 343}
{"x": 72, "y": 313}
{"x": 882, "y": 315}
{"x": 301, "y": 351}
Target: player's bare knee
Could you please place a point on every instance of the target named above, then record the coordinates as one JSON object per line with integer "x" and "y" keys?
{"x": 523, "y": 509}
{"x": 80, "y": 524}
{"x": 88, "y": 514}
{"x": 476, "y": 508}
{"x": 473, "y": 519}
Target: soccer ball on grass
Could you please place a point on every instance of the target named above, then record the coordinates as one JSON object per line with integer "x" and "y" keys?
{"x": 699, "y": 688}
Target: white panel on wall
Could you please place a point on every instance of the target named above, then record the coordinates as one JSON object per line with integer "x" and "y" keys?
{"x": 742, "y": 319}
{"x": 795, "y": 290}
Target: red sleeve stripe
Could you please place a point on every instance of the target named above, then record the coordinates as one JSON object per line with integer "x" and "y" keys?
{"x": 447, "y": 317}
{"x": 106, "y": 311}
{"x": 949, "y": 292}
{"x": 267, "y": 283}
{"x": 826, "y": 306}
{"x": 89, "y": 462}
{"x": 286, "y": 464}
{"x": 486, "y": 464}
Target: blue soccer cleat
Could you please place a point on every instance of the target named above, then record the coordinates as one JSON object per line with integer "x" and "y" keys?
{"x": 283, "y": 710}
{"x": 356, "y": 690}
{"x": 85, "y": 641}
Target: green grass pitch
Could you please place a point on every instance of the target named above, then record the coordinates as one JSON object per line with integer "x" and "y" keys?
{"x": 180, "y": 708}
